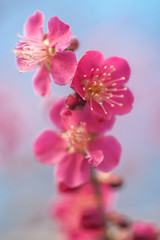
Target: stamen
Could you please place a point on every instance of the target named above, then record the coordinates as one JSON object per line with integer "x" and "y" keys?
{"x": 32, "y": 51}
{"x": 77, "y": 138}
{"x": 102, "y": 89}
{"x": 103, "y": 108}
{"x": 109, "y": 82}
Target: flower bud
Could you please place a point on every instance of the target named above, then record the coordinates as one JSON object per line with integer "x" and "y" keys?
{"x": 74, "y": 44}
{"x": 74, "y": 102}
{"x": 111, "y": 179}
{"x": 144, "y": 231}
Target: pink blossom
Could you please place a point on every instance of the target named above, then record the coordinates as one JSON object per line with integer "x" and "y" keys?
{"x": 101, "y": 82}
{"x": 12, "y": 124}
{"x": 80, "y": 145}
{"x": 46, "y": 51}
{"x": 79, "y": 214}
{"x": 144, "y": 231}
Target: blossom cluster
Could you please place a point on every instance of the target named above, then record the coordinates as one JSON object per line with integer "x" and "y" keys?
{"x": 79, "y": 149}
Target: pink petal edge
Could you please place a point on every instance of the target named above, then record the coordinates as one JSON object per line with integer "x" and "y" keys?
{"x": 59, "y": 34}
{"x": 34, "y": 26}
{"x": 42, "y": 82}
{"x": 49, "y": 147}
{"x": 63, "y": 67}
{"x": 111, "y": 149}
{"x": 73, "y": 170}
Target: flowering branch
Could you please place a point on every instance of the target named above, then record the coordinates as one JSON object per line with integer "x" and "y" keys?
{"x": 80, "y": 145}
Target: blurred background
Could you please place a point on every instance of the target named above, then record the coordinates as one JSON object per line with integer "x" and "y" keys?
{"x": 128, "y": 29}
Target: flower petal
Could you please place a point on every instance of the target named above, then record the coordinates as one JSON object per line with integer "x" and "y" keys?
{"x": 42, "y": 82}
{"x": 59, "y": 34}
{"x": 90, "y": 60}
{"x": 121, "y": 69}
{"x": 111, "y": 149}
{"x": 49, "y": 148}
{"x": 63, "y": 67}
{"x": 94, "y": 123}
{"x": 121, "y": 105}
{"x": 95, "y": 157}
{"x": 33, "y": 27}
{"x": 55, "y": 113}
{"x": 100, "y": 110}
{"x": 73, "y": 170}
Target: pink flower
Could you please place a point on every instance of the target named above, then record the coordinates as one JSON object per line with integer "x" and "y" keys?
{"x": 144, "y": 231}
{"x": 80, "y": 145}
{"x": 79, "y": 214}
{"x": 46, "y": 51}
{"x": 101, "y": 83}
{"x": 12, "y": 124}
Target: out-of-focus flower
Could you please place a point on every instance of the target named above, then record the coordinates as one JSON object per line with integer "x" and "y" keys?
{"x": 46, "y": 51}
{"x": 144, "y": 231}
{"x": 101, "y": 83}
{"x": 11, "y": 124}
{"x": 80, "y": 145}
{"x": 79, "y": 213}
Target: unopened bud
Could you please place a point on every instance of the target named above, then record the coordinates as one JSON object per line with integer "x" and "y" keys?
{"x": 112, "y": 179}
{"x": 115, "y": 181}
{"x": 74, "y": 44}
{"x": 75, "y": 102}
{"x": 144, "y": 231}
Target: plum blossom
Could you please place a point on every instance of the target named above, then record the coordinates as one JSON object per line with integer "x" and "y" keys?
{"x": 80, "y": 145}
{"x": 46, "y": 51}
{"x": 101, "y": 81}
{"x": 84, "y": 220}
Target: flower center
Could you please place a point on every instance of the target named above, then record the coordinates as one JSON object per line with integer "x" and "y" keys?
{"x": 101, "y": 87}
{"x": 32, "y": 51}
{"x": 77, "y": 138}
